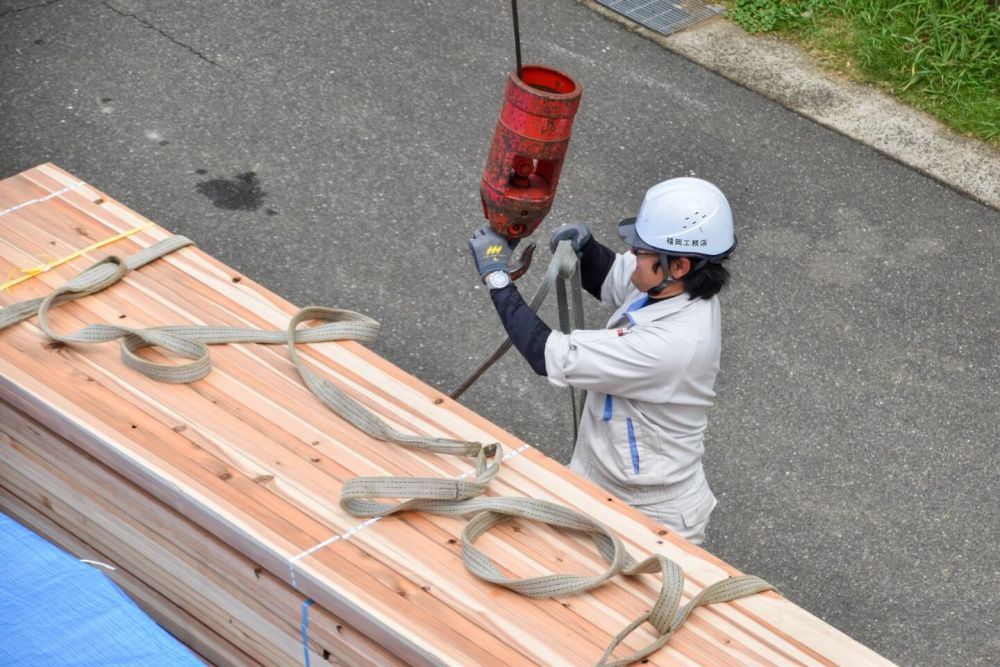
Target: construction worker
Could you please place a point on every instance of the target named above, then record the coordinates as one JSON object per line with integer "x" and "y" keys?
{"x": 650, "y": 374}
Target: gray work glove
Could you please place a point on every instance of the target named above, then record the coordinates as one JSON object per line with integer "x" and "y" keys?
{"x": 491, "y": 251}
{"x": 576, "y": 232}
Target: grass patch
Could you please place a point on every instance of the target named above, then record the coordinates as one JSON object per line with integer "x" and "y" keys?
{"x": 942, "y": 56}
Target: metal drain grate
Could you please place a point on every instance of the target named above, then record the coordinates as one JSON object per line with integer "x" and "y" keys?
{"x": 663, "y": 16}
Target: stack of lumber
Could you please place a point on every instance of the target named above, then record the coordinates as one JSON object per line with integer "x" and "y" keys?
{"x": 217, "y": 501}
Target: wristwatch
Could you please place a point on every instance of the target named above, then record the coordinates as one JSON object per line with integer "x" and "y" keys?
{"x": 498, "y": 280}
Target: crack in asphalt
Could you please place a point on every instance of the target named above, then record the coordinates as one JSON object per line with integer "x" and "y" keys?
{"x": 18, "y": 10}
{"x": 149, "y": 25}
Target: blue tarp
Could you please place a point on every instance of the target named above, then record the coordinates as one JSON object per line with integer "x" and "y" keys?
{"x": 56, "y": 611}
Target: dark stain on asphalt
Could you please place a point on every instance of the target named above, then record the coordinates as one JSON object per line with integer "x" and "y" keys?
{"x": 241, "y": 193}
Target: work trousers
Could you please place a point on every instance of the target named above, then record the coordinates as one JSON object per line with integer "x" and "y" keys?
{"x": 687, "y": 514}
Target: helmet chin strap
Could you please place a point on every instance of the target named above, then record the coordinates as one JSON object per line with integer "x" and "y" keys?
{"x": 655, "y": 291}
{"x": 667, "y": 280}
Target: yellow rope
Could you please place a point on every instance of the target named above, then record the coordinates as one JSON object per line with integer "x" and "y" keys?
{"x": 42, "y": 268}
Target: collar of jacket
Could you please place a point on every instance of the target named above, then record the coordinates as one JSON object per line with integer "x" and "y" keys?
{"x": 655, "y": 310}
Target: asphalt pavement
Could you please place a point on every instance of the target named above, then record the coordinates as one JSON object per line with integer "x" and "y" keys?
{"x": 332, "y": 152}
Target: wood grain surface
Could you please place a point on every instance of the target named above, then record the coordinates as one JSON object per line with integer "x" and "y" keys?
{"x": 214, "y": 497}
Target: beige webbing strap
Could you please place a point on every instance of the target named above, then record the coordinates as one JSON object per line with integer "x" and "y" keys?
{"x": 423, "y": 494}
{"x": 189, "y": 342}
{"x": 360, "y": 496}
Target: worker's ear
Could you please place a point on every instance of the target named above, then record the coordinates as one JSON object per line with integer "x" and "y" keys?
{"x": 679, "y": 267}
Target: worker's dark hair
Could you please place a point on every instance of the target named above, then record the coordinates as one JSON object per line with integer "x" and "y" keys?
{"x": 707, "y": 281}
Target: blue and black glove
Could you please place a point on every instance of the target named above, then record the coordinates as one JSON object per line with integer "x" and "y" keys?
{"x": 491, "y": 251}
{"x": 575, "y": 232}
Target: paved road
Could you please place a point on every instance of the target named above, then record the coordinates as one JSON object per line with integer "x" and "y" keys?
{"x": 332, "y": 152}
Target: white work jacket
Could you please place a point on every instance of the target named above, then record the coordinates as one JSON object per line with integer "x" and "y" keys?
{"x": 650, "y": 379}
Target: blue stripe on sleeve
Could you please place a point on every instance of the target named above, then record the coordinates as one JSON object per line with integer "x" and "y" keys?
{"x": 607, "y": 408}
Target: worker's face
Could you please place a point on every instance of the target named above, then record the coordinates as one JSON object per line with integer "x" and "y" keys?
{"x": 648, "y": 272}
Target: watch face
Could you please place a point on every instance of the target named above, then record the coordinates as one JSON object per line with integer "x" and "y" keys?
{"x": 498, "y": 279}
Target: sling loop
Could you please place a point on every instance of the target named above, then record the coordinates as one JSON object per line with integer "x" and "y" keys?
{"x": 360, "y": 496}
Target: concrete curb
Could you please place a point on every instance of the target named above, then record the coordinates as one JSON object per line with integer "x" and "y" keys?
{"x": 786, "y": 74}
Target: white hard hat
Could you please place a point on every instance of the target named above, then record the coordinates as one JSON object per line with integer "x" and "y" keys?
{"x": 682, "y": 216}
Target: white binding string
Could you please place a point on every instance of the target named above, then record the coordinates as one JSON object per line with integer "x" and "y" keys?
{"x": 41, "y": 199}
{"x": 98, "y": 564}
{"x": 357, "y": 529}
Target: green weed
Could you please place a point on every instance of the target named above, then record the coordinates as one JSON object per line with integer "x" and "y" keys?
{"x": 942, "y": 56}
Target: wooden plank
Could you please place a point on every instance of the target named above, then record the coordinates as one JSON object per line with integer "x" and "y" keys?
{"x": 195, "y": 570}
{"x": 249, "y": 456}
{"x": 209, "y": 646}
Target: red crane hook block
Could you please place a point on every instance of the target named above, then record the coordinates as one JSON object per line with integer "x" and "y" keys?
{"x": 529, "y": 145}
